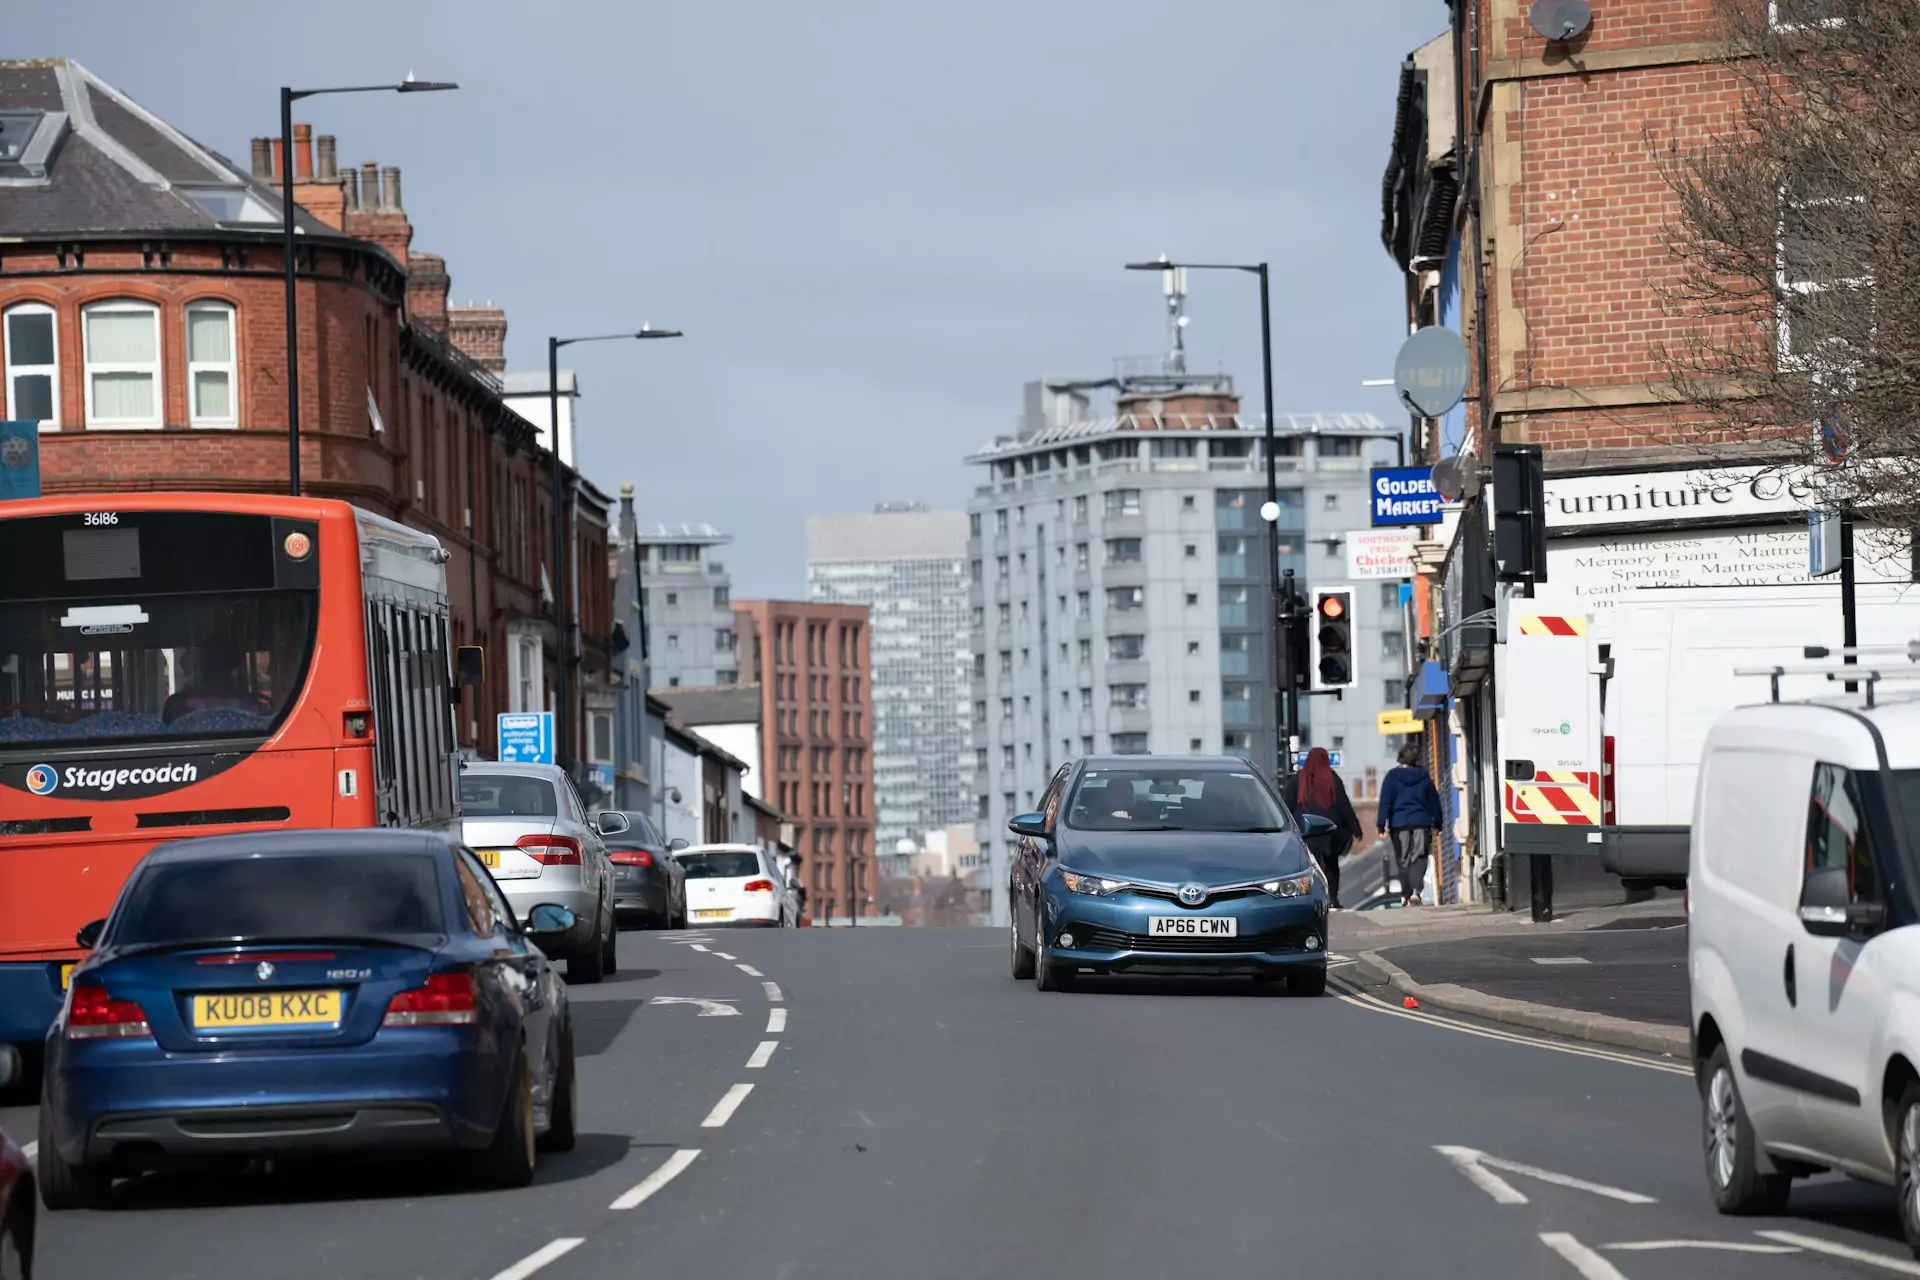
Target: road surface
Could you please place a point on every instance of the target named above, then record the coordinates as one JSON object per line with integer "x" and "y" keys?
{"x": 888, "y": 1103}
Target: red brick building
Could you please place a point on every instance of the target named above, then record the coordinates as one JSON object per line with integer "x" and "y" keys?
{"x": 813, "y": 663}
{"x": 142, "y": 321}
{"x": 1525, "y": 206}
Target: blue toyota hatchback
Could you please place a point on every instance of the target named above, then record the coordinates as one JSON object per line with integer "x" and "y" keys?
{"x": 307, "y": 992}
{"x": 1173, "y": 865}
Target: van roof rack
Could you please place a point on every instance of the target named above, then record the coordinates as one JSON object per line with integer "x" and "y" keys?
{"x": 1851, "y": 673}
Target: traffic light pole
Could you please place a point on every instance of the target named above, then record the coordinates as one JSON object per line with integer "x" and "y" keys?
{"x": 1286, "y": 704}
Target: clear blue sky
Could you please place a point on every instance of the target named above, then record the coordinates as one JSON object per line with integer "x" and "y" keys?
{"x": 874, "y": 220}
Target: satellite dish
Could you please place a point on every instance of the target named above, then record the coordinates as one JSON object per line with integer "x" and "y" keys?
{"x": 1457, "y": 477}
{"x": 1559, "y": 20}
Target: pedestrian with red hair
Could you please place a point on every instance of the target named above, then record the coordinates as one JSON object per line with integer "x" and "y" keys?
{"x": 1316, "y": 788}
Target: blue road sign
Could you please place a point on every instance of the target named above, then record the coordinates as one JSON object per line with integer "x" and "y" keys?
{"x": 1404, "y": 495}
{"x": 526, "y": 737}
{"x": 19, "y": 460}
{"x": 1333, "y": 758}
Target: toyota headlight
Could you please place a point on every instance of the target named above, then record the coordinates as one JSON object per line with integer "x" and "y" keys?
{"x": 1097, "y": 886}
{"x": 1290, "y": 886}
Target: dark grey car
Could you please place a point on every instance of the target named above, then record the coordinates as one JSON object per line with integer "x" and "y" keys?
{"x": 649, "y": 885}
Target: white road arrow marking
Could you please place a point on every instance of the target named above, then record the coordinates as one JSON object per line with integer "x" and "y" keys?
{"x": 1475, "y": 1165}
{"x": 1589, "y": 1264}
{"x": 1902, "y": 1265}
{"x": 1728, "y": 1246}
{"x": 708, "y": 1008}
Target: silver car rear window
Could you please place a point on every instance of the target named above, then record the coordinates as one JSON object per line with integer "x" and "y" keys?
{"x": 502, "y": 795}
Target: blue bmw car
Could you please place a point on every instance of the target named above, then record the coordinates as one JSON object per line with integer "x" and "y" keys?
{"x": 1173, "y": 865}
{"x": 301, "y": 993}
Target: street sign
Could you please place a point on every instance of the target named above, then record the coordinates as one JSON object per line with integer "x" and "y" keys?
{"x": 1333, "y": 758}
{"x": 1430, "y": 373}
{"x": 1379, "y": 553}
{"x": 1399, "y": 720}
{"x": 19, "y": 460}
{"x": 526, "y": 737}
{"x": 1404, "y": 495}
{"x": 1836, "y": 435}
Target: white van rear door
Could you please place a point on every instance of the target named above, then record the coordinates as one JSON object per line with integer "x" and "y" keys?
{"x": 1549, "y": 730}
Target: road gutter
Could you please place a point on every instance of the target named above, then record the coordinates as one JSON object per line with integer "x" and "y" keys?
{"x": 1574, "y": 1024}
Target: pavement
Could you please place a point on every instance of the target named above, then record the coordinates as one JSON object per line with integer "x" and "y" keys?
{"x": 1613, "y": 975}
{"x": 894, "y": 1105}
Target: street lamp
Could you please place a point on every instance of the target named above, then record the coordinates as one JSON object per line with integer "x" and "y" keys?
{"x": 1283, "y": 726}
{"x": 287, "y": 98}
{"x": 561, "y": 542}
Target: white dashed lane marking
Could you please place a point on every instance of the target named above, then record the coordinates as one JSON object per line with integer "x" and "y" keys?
{"x": 749, "y": 970}
{"x": 762, "y": 1054}
{"x": 700, "y": 946}
{"x": 773, "y": 991}
{"x": 776, "y": 1021}
{"x": 723, "y": 955}
{"x": 723, "y": 1110}
{"x": 540, "y": 1257}
{"x": 675, "y": 1165}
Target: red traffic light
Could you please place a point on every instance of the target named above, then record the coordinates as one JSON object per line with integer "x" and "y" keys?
{"x": 1333, "y": 607}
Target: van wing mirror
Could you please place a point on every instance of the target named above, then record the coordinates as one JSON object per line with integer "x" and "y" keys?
{"x": 1828, "y": 909}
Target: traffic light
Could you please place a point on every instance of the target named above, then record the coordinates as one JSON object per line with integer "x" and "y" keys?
{"x": 1333, "y": 658}
{"x": 1519, "y": 515}
{"x": 1296, "y": 643}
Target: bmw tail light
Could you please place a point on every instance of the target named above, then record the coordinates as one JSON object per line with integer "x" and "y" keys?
{"x": 631, "y": 858}
{"x": 95, "y": 1015}
{"x": 757, "y": 886}
{"x": 551, "y": 851}
{"x": 446, "y": 1000}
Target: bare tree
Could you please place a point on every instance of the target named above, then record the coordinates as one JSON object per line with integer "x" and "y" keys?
{"x": 1796, "y": 240}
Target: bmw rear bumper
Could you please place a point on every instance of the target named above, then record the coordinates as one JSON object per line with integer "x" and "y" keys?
{"x": 409, "y": 1087}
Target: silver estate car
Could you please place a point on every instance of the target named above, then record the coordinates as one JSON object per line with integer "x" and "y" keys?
{"x": 530, "y": 829}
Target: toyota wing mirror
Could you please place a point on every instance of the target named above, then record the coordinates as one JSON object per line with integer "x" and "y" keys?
{"x": 89, "y": 935}
{"x": 1029, "y": 824}
{"x": 1312, "y": 825}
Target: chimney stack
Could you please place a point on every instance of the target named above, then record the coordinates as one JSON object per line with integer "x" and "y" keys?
{"x": 390, "y": 190}
{"x": 427, "y": 286}
{"x": 370, "y": 200}
{"x": 481, "y": 333}
{"x": 350, "y": 190}
{"x": 279, "y": 159}
{"x": 327, "y": 169}
{"x": 303, "y": 153}
{"x": 263, "y": 159}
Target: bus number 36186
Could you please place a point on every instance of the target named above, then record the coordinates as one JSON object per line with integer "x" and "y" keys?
{"x": 103, "y": 517}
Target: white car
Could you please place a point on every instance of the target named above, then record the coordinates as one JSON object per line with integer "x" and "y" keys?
{"x": 1803, "y": 963}
{"x": 736, "y": 884}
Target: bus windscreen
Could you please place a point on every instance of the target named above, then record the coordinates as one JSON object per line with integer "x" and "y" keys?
{"x": 167, "y": 626}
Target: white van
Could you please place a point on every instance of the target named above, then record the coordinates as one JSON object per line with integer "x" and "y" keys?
{"x": 1669, "y": 655}
{"x": 1803, "y": 965}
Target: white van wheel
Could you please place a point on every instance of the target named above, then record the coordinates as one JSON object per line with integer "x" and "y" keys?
{"x": 1732, "y": 1148}
{"x": 1907, "y": 1165}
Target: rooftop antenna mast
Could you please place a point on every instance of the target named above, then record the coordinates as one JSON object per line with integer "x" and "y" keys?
{"x": 1173, "y": 283}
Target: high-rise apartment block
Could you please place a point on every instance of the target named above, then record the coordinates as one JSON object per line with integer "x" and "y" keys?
{"x": 1118, "y": 603}
{"x": 690, "y": 627}
{"x": 908, "y": 565}
{"x": 813, "y": 663}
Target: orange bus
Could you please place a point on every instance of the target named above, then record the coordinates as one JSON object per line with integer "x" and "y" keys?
{"x": 177, "y": 664}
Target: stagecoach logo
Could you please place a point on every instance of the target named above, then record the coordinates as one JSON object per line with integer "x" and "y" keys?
{"x": 1192, "y": 895}
{"x": 264, "y": 970}
{"x": 42, "y": 779}
{"x": 104, "y": 781}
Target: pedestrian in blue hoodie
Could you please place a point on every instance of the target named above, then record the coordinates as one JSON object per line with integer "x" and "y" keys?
{"x": 1409, "y": 809}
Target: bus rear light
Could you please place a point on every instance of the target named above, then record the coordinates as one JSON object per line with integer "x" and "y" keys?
{"x": 757, "y": 886}
{"x": 550, "y": 851}
{"x": 446, "y": 1000}
{"x": 95, "y": 1015}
